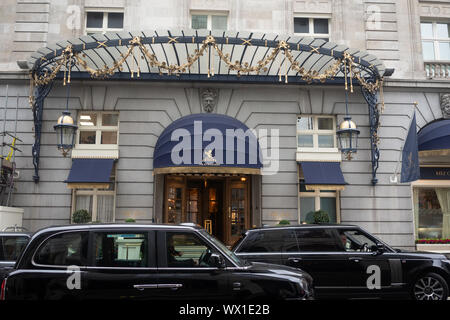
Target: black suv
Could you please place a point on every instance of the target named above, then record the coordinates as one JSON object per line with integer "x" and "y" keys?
{"x": 347, "y": 262}
{"x": 133, "y": 261}
{"x": 11, "y": 245}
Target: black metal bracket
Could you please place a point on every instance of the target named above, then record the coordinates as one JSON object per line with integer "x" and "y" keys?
{"x": 41, "y": 93}
{"x": 374, "y": 122}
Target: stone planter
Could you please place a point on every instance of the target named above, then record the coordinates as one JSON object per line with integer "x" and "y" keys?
{"x": 10, "y": 217}
{"x": 440, "y": 248}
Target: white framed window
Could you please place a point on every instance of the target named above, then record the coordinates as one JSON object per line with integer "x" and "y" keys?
{"x": 435, "y": 40}
{"x": 102, "y": 21}
{"x": 314, "y": 200}
{"x": 209, "y": 20}
{"x": 98, "y": 202}
{"x": 97, "y": 129}
{"x": 312, "y": 26}
{"x": 316, "y": 133}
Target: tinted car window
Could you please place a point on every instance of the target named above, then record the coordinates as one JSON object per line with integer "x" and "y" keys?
{"x": 317, "y": 240}
{"x": 64, "y": 249}
{"x": 263, "y": 241}
{"x": 121, "y": 249}
{"x": 11, "y": 247}
{"x": 290, "y": 243}
{"x": 355, "y": 240}
{"x": 186, "y": 250}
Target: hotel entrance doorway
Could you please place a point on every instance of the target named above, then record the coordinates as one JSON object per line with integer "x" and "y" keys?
{"x": 220, "y": 204}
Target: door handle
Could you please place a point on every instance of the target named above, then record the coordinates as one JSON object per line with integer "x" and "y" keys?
{"x": 173, "y": 286}
{"x": 142, "y": 287}
{"x": 295, "y": 260}
{"x": 355, "y": 259}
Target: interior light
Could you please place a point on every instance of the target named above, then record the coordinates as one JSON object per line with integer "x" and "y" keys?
{"x": 83, "y": 123}
{"x": 85, "y": 117}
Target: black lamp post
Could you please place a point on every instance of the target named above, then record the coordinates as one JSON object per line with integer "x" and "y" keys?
{"x": 348, "y": 134}
{"x": 65, "y": 129}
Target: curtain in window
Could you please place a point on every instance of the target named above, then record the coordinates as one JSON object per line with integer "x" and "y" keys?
{"x": 416, "y": 211}
{"x": 105, "y": 208}
{"x": 444, "y": 201}
{"x": 83, "y": 202}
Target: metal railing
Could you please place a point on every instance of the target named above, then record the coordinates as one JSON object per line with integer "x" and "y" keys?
{"x": 437, "y": 69}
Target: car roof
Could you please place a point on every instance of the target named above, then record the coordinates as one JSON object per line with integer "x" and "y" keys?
{"x": 15, "y": 234}
{"x": 306, "y": 226}
{"x": 113, "y": 226}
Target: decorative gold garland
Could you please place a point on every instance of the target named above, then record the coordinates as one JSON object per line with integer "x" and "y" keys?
{"x": 209, "y": 43}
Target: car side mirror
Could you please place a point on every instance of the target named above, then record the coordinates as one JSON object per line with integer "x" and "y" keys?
{"x": 216, "y": 260}
{"x": 380, "y": 248}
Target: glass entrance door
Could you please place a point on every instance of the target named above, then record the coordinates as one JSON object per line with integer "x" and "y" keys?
{"x": 238, "y": 211}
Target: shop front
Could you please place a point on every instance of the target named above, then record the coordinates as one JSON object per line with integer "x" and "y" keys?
{"x": 431, "y": 194}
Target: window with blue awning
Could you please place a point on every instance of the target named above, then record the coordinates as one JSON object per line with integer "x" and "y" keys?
{"x": 90, "y": 173}
{"x": 322, "y": 175}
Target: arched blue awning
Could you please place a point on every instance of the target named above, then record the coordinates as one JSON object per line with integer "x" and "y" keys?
{"x": 207, "y": 143}
{"x": 435, "y": 136}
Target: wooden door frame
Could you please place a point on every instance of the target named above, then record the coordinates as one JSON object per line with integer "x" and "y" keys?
{"x": 229, "y": 184}
{"x": 178, "y": 184}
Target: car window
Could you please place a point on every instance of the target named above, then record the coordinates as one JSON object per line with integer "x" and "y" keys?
{"x": 290, "y": 243}
{"x": 263, "y": 241}
{"x": 11, "y": 247}
{"x": 119, "y": 249}
{"x": 355, "y": 240}
{"x": 64, "y": 249}
{"x": 317, "y": 240}
{"x": 186, "y": 250}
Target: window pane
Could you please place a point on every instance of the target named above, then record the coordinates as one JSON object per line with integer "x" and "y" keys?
{"x": 444, "y": 51}
{"x": 320, "y": 240}
{"x": 219, "y": 22}
{"x": 105, "y": 208}
{"x": 442, "y": 30}
{"x": 307, "y": 207}
{"x": 426, "y": 30}
{"x": 199, "y": 21}
{"x": 305, "y": 141}
{"x": 88, "y": 120}
{"x": 83, "y": 202}
{"x": 187, "y": 250}
{"x": 326, "y": 141}
{"x": 110, "y": 119}
{"x": 321, "y": 26}
{"x": 329, "y": 206}
{"x": 125, "y": 250}
{"x": 305, "y": 123}
{"x": 325, "y": 123}
{"x": 109, "y": 137}
{"x": 64, "y": 250}
{"x": 289, "y": 241}
{"x": 87, "y": 137}
{"x": 115, "y": 20}
{"x": 264, "y": 241}
{"x": 430, "y": 214}
{"x": 355, "y": 240}
{"x": 301, "y": 25}
{"x": 12, "y": 247}
{"x": 428, "y": 50}
{"x": 94, "y": 20}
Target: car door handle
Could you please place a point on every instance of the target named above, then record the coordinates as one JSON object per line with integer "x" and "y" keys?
{"x": 142, "y": 287}
{"x": 355, "y": 259}
{"x": 295, "y": 260}
{"x": 173, "y": 286}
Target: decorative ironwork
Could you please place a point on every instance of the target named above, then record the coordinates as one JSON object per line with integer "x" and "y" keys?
{"x": 374, "y": 122}
{"x": 88, "y": 58}
{"x": 37, "y": 107}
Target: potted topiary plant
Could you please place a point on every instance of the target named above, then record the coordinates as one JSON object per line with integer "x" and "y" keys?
{"x": 81, "y": 216}
{"x": 130, "y": 220}
{"x": 283, "y": 222}
{"x": 321, "y": 216}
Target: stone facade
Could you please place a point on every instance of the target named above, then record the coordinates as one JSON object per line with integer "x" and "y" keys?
{"x": 388, "y": 29}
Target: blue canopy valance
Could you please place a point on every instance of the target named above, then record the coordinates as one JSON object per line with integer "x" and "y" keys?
{"x": 207, "y": 143}
{"x": 322, "y": 175}
{"x": 90, "y": 172}
{"x": 435, "y": 136}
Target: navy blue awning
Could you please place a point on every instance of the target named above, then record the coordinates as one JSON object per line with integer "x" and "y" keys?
{"x": 90, "y": 171}
{"x": 207, "y": 142}
{"x": 323, "y": 173}
{"x": 435, "y": 136}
